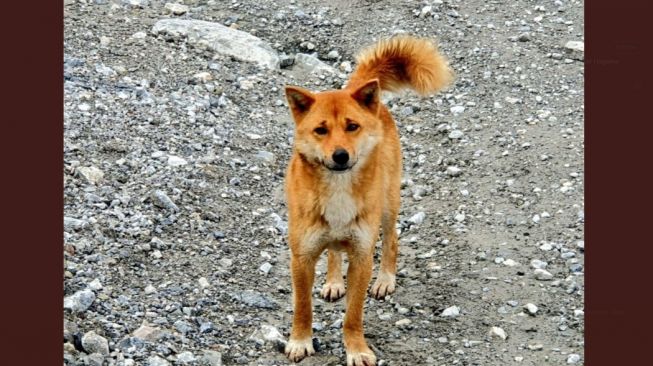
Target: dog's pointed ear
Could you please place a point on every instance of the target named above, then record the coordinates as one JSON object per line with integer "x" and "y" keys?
{"x": 368, "y": 95}
{"x": 300, "y": 101}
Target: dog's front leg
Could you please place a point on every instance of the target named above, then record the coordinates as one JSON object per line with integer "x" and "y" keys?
{"x": 359, "y": 274}
{"x": 300, "y": 344}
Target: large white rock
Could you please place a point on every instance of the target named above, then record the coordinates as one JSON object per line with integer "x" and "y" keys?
{"x": 224, "y": 40}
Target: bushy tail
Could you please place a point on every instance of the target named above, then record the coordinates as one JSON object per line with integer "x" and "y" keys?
{"x": 403, "y": 62}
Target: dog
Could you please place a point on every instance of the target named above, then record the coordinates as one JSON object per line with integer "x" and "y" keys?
{"x": 343, "y": 182}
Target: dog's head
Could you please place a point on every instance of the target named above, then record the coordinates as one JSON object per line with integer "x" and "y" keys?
{"x": 336, "y": 129}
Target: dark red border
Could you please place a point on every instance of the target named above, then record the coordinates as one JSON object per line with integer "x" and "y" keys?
{"x": 618, "y": 206}
{"x": 32, "y": 183}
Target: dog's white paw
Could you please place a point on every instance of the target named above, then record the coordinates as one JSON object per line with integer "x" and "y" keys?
{"x": 332, "y": 291}
{"x": 383, "y": 286}
{"x": 366, "y": 358}
{"x": 297, "y": 350}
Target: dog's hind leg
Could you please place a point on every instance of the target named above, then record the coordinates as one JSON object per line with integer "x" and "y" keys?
{"x": 385, "y": 279}
{"x": 334, "y": 288}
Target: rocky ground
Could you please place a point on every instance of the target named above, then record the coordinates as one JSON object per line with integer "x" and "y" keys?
{"x": 176, "y": 138}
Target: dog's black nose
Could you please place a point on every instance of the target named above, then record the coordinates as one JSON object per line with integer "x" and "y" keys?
{"x": 340, "y": 156}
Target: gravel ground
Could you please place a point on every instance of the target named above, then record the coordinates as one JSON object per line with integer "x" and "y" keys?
{"x": 175, "y": 147}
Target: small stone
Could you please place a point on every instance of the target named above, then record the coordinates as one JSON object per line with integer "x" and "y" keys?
{"x": 577, "y": 46}
{"x": 157, "y": 361}
{"x": 345, "y": 66}
{"x": 454, "y": 171}
{"x": 176, "y": 9}
{"x": 456, "y": 110}
{"x": 95, "y": 343}
{"x": 536, "y": 218}
{"x": 524, "y": 37}
{"x": 546, "y": 247}
{"x": 573, "y": 358}
{"x": 90, "y": 174}
{"x": 510, "y": 263}
{"x": 95, "y": 285}
{"x": 426, "y": 11}
{"x": 496, "y": 332}
{"x": 254, "y": 299}
{"x": 417, "y": 218}
{"x": 535, "y": 347}
{"x": 456, "y": 134}
{"x": 204, "y": 283}
{"x": 543, "y": 275}
{"x": 581, "y": 245}
{"x": 80, "y": 301}
{"x": 271, "y": 333}
{"x": 451, "y": 312}
{"x": 160, "y": 199}
{"x": 265, "y": 267}
{"x": 333, "y": 55}
{"x": 460, "y": 217}
{"x": 149, "y": 289}
{"x": 266, "y": 156}
{"x": 183, "y": 327}
{"x": 538, "y": 264}
{"x": 203, "y": 77}
{"x": 211, "y": 358}
{"x": 185, "y": 358}
{"x": 175, "y": 161}
{"x": 531, "y": 308}
{"x": 148, "y": 333}
{"x": 402, "y": 322}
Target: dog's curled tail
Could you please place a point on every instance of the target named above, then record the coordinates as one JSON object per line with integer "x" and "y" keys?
{"x": 403, "y": 62}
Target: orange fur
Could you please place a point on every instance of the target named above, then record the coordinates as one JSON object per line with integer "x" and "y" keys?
{"x": 338, "y": 204}
{"x": 404, "y": 62}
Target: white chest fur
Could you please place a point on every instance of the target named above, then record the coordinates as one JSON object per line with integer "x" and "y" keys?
{"x": 340, "y": 208}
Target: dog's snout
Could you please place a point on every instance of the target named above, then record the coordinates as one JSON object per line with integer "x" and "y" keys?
{"x": 340, "y": 156}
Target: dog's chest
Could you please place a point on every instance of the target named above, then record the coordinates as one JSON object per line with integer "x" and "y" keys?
{"x": 340, "y": 209}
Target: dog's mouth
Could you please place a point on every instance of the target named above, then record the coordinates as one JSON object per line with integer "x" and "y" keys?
{"x": 339, "y": 168}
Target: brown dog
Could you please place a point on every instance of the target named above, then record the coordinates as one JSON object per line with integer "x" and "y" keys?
{"x": 343, "y": 183}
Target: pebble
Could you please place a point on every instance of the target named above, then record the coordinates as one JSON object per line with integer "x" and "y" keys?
{"x": 456, "y": 134}
{"x": 454, "y": 171}
{"x": 80, "y": 301}
{"x": 265, "y": 267}
{"x": 543, "y": 275}
{"x": 417, "y": 218}
{"x": 332, "y": 55}
{"x": 254, "y": 299}
{"x": 402, "y": 322}
{"x": 538, "y": 264}
{"x": 573, "y": 358}
{"x": 271, "y": 333}
{"x": 175, "y": 161}
{"x": 176, "y": 9}
{"x": 531, "y": 308}
{"x": 95, "y": 343}
{"x": 204, "y": 283}
{"x": 456, "y": 110}
{"x": 91, "y": 174}
{"x": 95, "y": 285}
{"x": 160, "y": 199}
{"x": 546, "y": 247}
{"x": 94, "y": 359}
{"x": 148, "y": 333}
{"x": 460, "y": 217}
{"x": 451, "y": 312}
{"x": 496, "y": 332}
{"x": 211, "y": 358}
{"x": 581, "y": 245}
{"x": 157, "y": 361}
{"x": 524, "y": 37}
{"x": 183, "y": 326}
{"x": 510, "y": 263}
{"x": 535, "y": 347}
{"x": 149, "y": 289}
{"x": 186, "y": 358}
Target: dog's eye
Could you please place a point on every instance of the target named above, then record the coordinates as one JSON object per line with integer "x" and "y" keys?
{"x": 352, "y": 127}
{"x": 320, "y": 131}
